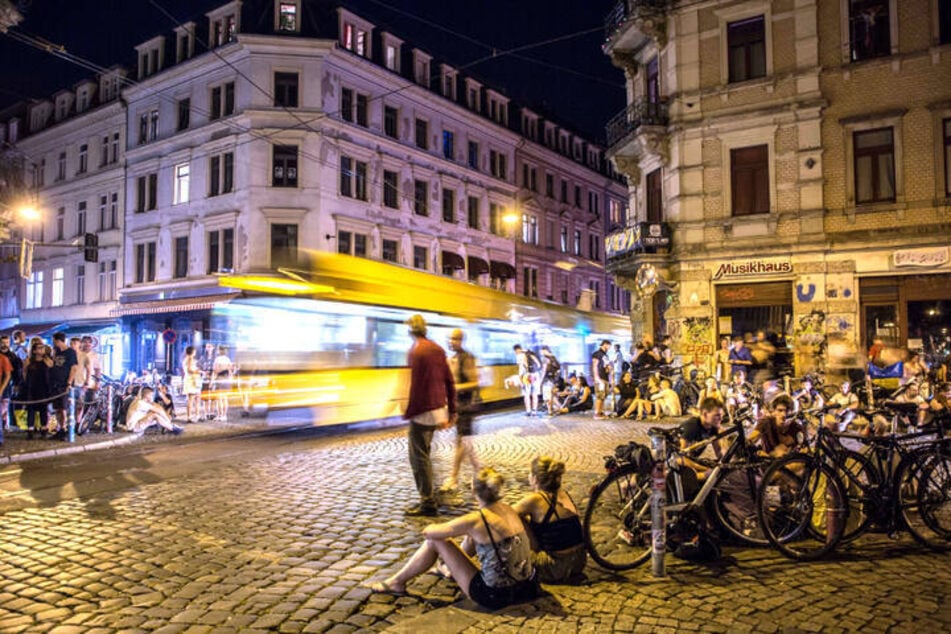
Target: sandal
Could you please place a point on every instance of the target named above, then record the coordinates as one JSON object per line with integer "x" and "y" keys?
{"x": 441, "y": 570}
{"x": 380, "y": 587}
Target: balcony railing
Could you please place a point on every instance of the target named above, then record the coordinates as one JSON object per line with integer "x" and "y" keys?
{"x": 626, "y": 9}
{"x": 642, "y": 237}
{"x": 640, "y": 113}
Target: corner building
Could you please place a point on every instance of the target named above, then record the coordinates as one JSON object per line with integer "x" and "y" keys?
{"x": 789, "y": 164}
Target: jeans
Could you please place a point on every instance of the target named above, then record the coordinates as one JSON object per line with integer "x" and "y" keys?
{"x": 420, "y": 441}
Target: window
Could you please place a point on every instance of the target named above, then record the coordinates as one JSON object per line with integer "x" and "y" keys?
{"x": 360, "y": 245}
{"x": 749, "y": 177}
{"x": 594, "y": 203}
{"x": 103, "y": 212}
{"x": 148, "y": 126}
{"x": 530, "y": 281}
{"x": 390, "y": 251}
{"x": 362, "y": 110}
{"x": 473, "y": 212}
{"x": 283, "y": 244}
{"x": 81, "y": 218}
{"x": 422, "y": 134}
{"x": 285, "y": 90}
{"x": 564, "y": 191}
{"x": 344, "y": 240}
{"x": 448, "y": 205}
{"x": 221, "y": 250}
{"x": 107, "y": 280}
{"x": 448, "y": 145}
{"x": 220, "y": 174}
{"x": 104, "y": 151}
{"x": 529, "y": 229}
{"x": 114, "y": 154}
{"x": 421, "y": 198}
{"x": 284, "y": 168}
{"x": 181, "y": 256}
{"x": 655, "y": 196}
{"x": 346, "y": 104}
{"x": 498, "y": 164}
{"x": 944, "y": 21}
{"x": 39, "y": 174}
{"x": 563, "y": 244}
{"x": 353, "y": 178}
{"x": 182, "y": 178}
{"x": 391, "y": 122}
{"x": 81, "y": 284}
{"x": 391, "y": 57}
{"x": 356, "y": 39}
{"x": 144, "y": 263}
{"x": 184, "y": 114}
{"x": 869, "y": 29}
{"x": 287, "y": 16}
{"x": 746, "y": 43}
{"x": 874, "y": 166}
{"x": 615, "y": 212}
{"x": 223, "y": 30}
{"x": 350, "y": 243}
{"x": 473, "y": 155}
{"x": 113, "y": 211}
{"x": 578, "y": 196}
{"x": 653, "y": 81}
{"x": 594, "y": 250}
{"x": 61, "y": 223}
{"x": 61, "y": 167}
{"x": 529, "y": 178}
{"x": 184, "y": 45}
{"x": 57, "y": 286}
{"x": 550, "y": 185}
{"x": 420, "y": 257}
{"x": 421, "y": 68}
{"x": 577, "y": 245}
{"x": 390, "y": 190}
{"x": 83, "y": 159}
{"x": 495, "y": 219}
{"x": 946, "y": 124}
{"x": 222, "y": 101}
{"x": 34, "y": 290}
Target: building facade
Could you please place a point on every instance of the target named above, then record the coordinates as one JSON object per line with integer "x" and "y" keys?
{"x": 789, "y": 163}
{"x": 250, "y": 136}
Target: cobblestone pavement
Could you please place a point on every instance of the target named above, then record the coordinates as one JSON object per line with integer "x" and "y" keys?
{"x": 283, "y": 540}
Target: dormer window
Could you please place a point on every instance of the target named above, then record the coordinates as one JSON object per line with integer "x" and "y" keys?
{"x": 421, "y": 72}
{"x": 184, "y": 42}
{"x": 448, "y": 82}
{"x": 391, "y": 52}
{"x": 64, "y": 104}
{"x": 82, "y": 99}
{"x": 223, "y": 25}
{"x": 109, "y": 86}
{"x": 285, "y": 16}
{"x": 355, "y": 33}
{"x": 150, "y": 56}
{"x": 473, "y": 95}
{"x": 498, "y": 108}
{"x": 530, "y": 126}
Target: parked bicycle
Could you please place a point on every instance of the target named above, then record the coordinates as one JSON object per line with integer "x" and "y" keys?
{"x": 617, "y": 520}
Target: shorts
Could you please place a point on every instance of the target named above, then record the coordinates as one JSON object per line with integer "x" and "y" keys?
{"x": 60, "y": 402}
{"x": 600, "y": 389}
{"x": 464, "y": 424}
{"x": 560, "y": 567}
{"x": 498, "y": 598}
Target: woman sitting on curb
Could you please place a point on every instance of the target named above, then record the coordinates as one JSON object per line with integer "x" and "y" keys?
{"x": 145, "y": 412}
{"x": 553, "y": 522}
{"x": 504, "y": 575}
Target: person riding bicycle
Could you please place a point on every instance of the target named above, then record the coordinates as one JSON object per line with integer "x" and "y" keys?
{"x": 700, "y": 428}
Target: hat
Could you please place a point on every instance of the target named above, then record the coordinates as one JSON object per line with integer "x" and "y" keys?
{"x": 417, "y": 325}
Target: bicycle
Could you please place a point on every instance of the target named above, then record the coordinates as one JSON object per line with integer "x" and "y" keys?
{"x": 95, "y": 409}
{"x": 617, "y": 521}
{"x": 811, "y": 502}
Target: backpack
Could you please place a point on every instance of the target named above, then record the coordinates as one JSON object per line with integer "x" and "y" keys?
{"x": 532, "y": 363}
{"x": 17, "y": 364}
{"x": 554, "y": 367}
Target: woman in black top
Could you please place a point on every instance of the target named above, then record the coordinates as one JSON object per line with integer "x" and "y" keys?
{"x": 627, "y": 393}
{"x": 36, "y": 388}
{"x": 553, "y": 524}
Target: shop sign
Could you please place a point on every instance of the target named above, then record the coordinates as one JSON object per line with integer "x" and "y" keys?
{"x": 749, "y": 268}
{"x": 921, "y": 257}
{"x": 635, "y": 239}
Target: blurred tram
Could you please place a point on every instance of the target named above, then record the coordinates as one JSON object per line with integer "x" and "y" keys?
{"x": 333, "y": 338}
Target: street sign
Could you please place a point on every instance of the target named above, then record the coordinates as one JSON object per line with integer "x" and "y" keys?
{"x": 168, "y": 336}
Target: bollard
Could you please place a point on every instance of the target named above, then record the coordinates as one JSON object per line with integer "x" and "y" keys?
{"x": 658, "y": 502}
{"x": 71, "y": 414}
{"x": 109, "y": 396}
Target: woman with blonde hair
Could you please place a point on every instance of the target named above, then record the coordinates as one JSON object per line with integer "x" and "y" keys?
{"x": 502, "y": 572}
{"x": 553, "y": 522}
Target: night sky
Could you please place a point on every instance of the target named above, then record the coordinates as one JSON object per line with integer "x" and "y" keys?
{"x": 572, "y": 79}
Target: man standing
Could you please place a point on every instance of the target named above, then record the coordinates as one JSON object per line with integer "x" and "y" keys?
{"x": 20, "y": 347}
{"x": 601, "y": 375}
{"x": 62, "y": 375}
{"x": 466, "y": 375}
{"x": 6, "y": 385}
{"x": 740, "y": 357}
{"x": 432, "y": 404}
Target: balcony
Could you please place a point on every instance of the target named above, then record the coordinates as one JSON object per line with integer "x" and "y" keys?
{"x": 631, "y": 23}
{"x": 643, "y": 237}
{"x": 639, "y": 114}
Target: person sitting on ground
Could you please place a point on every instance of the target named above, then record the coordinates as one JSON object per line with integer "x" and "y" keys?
{"x": 776, "y": 435}
{"x": 503, "y": 573}
{"x": 551, "y": 373}
{"x": 738, "y": 393}
{"x": 580, "y": 399}
{"x": 711, "y": 390}
{"x": 700, "y": 428}
{"x": 164, "y": 399}
{"x": 807, "y": 397}
{"x": 643, "y": 406}
{"x": 560, "y": 391}
{"x": 666, "y": 401}
{"x": 627, "y": 394}
{"x": 938, "y": 407}
{"x": 144, "y": 413}
{"x": 553, "y": 522}
{"x": 845, "y": 404}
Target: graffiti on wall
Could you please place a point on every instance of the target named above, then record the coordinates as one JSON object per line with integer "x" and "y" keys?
{"x": 696, "y": 340}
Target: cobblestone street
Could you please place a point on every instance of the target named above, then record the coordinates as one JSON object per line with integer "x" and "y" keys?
{"x": 282, "y": 540}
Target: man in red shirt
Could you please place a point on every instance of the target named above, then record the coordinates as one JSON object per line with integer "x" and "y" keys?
{"x": 432, "y": 405}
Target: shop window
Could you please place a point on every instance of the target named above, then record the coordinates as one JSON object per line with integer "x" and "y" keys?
{"x": 746, "y": 41}
{"x": 869, "y": 29}
{"x": 874, "y": 166}
{"x": 749, "y": 167}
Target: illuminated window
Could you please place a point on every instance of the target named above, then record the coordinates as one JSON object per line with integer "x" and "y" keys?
{"x": 287, "y": 16}
{"x": 59, "y": 275}
{"x": 869, "y": 29}
{"x": 182, "y": 179}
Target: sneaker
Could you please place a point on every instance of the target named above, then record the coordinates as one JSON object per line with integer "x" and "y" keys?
{"x": 448, "y": 486}
{"x": 177, "y": 430}
{"x": 418, "y": 510}
{"x": 626, "y": 536}
{"x": 599, "y": 417}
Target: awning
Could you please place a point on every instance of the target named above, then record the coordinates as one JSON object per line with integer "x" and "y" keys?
{"x": 501, "y": 270}
{"x": 477, "y": 266}
{"x": 452, "y": 262}
{"x": 181, "y": 304}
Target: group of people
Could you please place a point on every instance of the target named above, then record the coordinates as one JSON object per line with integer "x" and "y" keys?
{"x": 504, "y": 551}
{"x": 207, "y": 382}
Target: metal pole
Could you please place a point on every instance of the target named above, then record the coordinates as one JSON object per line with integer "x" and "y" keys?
{"x": 658, "y": 502}
{"x": 109, "y": 408}
{"x": 71, "y": 414}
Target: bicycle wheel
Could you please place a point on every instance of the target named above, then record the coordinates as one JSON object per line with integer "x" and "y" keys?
{"x": 617, "y": 520}
{"x": 924, "y": 496}
{"x": 89, "y": 416}
{"x": 860, "y": 479}
{"x": 802, "y": 507}
{"x": 732, "y": 504}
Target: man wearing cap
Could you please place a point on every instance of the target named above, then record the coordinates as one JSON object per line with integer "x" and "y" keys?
{"x": 432, "y": 405}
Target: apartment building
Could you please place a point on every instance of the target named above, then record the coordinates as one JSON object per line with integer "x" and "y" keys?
{"x": 789, "y": 170}
{"x": 269, "y": 127}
